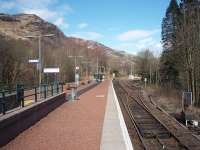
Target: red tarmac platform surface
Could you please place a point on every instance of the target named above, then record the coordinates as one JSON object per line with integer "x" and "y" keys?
{"x": 75, "y": 125}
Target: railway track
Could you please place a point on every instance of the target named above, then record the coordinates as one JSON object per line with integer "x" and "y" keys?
{"x": 151, "y": 133}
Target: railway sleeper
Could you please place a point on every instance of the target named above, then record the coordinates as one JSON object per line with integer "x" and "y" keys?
{"x": 146, "y": 119}
{"x": 137, "y": 109}
{"x": 150, "y": 124}
{"x": 153, "y": 129}
{"x": 156, "y": 125}
{"x": 140, "y": 116}
{"x": 151, "y": 134}
{"x": 155, "y": 132}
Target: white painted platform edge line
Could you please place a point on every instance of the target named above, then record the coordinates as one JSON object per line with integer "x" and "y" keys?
{"x": 126, "y": 136}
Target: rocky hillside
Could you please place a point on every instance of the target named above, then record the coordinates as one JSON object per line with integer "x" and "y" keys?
{"x": 21, "y": 25}
{"x": 56, "y": 49}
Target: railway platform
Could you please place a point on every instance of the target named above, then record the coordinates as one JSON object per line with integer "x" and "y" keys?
{"x": 115, "y": 134}
{"x": 93, "y": 122}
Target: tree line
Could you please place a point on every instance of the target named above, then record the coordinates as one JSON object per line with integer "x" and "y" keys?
{"x": 15, "y": 54}
{"x": 179, "y": 63}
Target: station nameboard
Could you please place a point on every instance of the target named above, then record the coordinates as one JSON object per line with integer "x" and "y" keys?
{"x": 51, "y": 70}
{"x": 33, "y": 61}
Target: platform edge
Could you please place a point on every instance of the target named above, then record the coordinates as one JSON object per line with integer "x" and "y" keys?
{"x": 125, "y": 133}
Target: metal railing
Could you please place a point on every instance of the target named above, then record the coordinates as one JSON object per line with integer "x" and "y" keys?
{"x": 25, "y": 97}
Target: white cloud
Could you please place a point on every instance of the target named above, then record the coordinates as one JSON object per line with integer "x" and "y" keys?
{"x": 135, "y": 34}
{"x": 88, "y": 35}
{"x": 59, "y": 21}
{"x": 49, "y": 10}
{"x": 82, "y": 25}
{"x": 43, "y": 13}
{"x": 138, "y": 45}
{"x": 35, "y": 4}
{"x": 62, "y": 23}
{"x": 136, "y": 40}
{"x": 44, "y": 4}
{"x": 145, "y": 43}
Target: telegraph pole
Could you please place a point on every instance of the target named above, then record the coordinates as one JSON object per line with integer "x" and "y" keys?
{"x": 97, "y": 67}
{"x": 40, "y": 61}
{"x": 150, "y": 72}
{"x": 76, "y": 79}
{"x": 131, "y": 68}
{"x": 87, "y": 68}
{"x": 40, "y": 67}
{"x": 75, "y": 67}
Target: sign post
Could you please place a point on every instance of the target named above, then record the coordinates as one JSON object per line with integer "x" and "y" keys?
{"x": 145, "y": 82}
{"x": 186, "y": 100}
{"x": 77, "y": 76}
{"x": 35, "y": 62}
{"x": 77, "y": 79}
{"x": 54, "y": 71}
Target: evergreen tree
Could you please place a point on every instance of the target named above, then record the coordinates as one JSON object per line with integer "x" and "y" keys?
{"x": 179, "y": 62}
{"x": 169, "y": 25}
{"x": 168, "y": 70}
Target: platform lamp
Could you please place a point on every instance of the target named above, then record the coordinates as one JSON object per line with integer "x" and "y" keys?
{"x": 75, "y": 68}
{"x": 76, "y": 76}
{"x": 40, "y": 53}
{"x": 87, "y": 68}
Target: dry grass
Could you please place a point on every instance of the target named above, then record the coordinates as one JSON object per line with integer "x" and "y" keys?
{"x": 168, "y": 99}
{"x": 171, "y": 101}
{"x": 194, "y": 112}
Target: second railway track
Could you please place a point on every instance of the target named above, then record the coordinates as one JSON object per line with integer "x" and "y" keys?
{"x": 151, "y": 133}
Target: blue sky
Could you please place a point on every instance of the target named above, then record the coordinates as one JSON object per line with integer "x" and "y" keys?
{"x": 129, "y": 25}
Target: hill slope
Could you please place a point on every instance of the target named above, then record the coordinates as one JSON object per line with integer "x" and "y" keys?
{"x": 57, "y": 49}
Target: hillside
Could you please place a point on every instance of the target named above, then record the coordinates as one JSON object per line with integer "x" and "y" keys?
{"x": 21, "y": 25}
{"x": 57, "y": 49}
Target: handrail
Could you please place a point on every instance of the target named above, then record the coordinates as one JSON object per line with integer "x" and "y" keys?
{"x": 45, "y": 91}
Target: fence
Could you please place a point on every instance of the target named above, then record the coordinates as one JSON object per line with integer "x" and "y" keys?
{"x": 21, "y": 97}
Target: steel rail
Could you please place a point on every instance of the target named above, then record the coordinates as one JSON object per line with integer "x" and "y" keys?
{"x": 147, "y": 109}
{"x": 133, "y": 122}
{"x": 143, "y": 105}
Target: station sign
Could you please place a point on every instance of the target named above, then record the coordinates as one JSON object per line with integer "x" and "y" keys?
{"x": 33, "y": 61}
{"x": 51, "y": 70}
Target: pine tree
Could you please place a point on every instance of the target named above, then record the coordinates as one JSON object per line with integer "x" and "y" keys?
{"x": 169, "y": 25}
{"x": 168, "y": 71}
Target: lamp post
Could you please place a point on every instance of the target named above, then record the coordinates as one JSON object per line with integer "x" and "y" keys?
{"x": 102, "y": 73}
{"x": 40, "y": 53}
{"x": 132, "y": 70}
{"x": 97, "y": 66}
{"x": 76, "y": 77}
{"x": 75, "y": 67}
{"x": 87, "y": 68}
